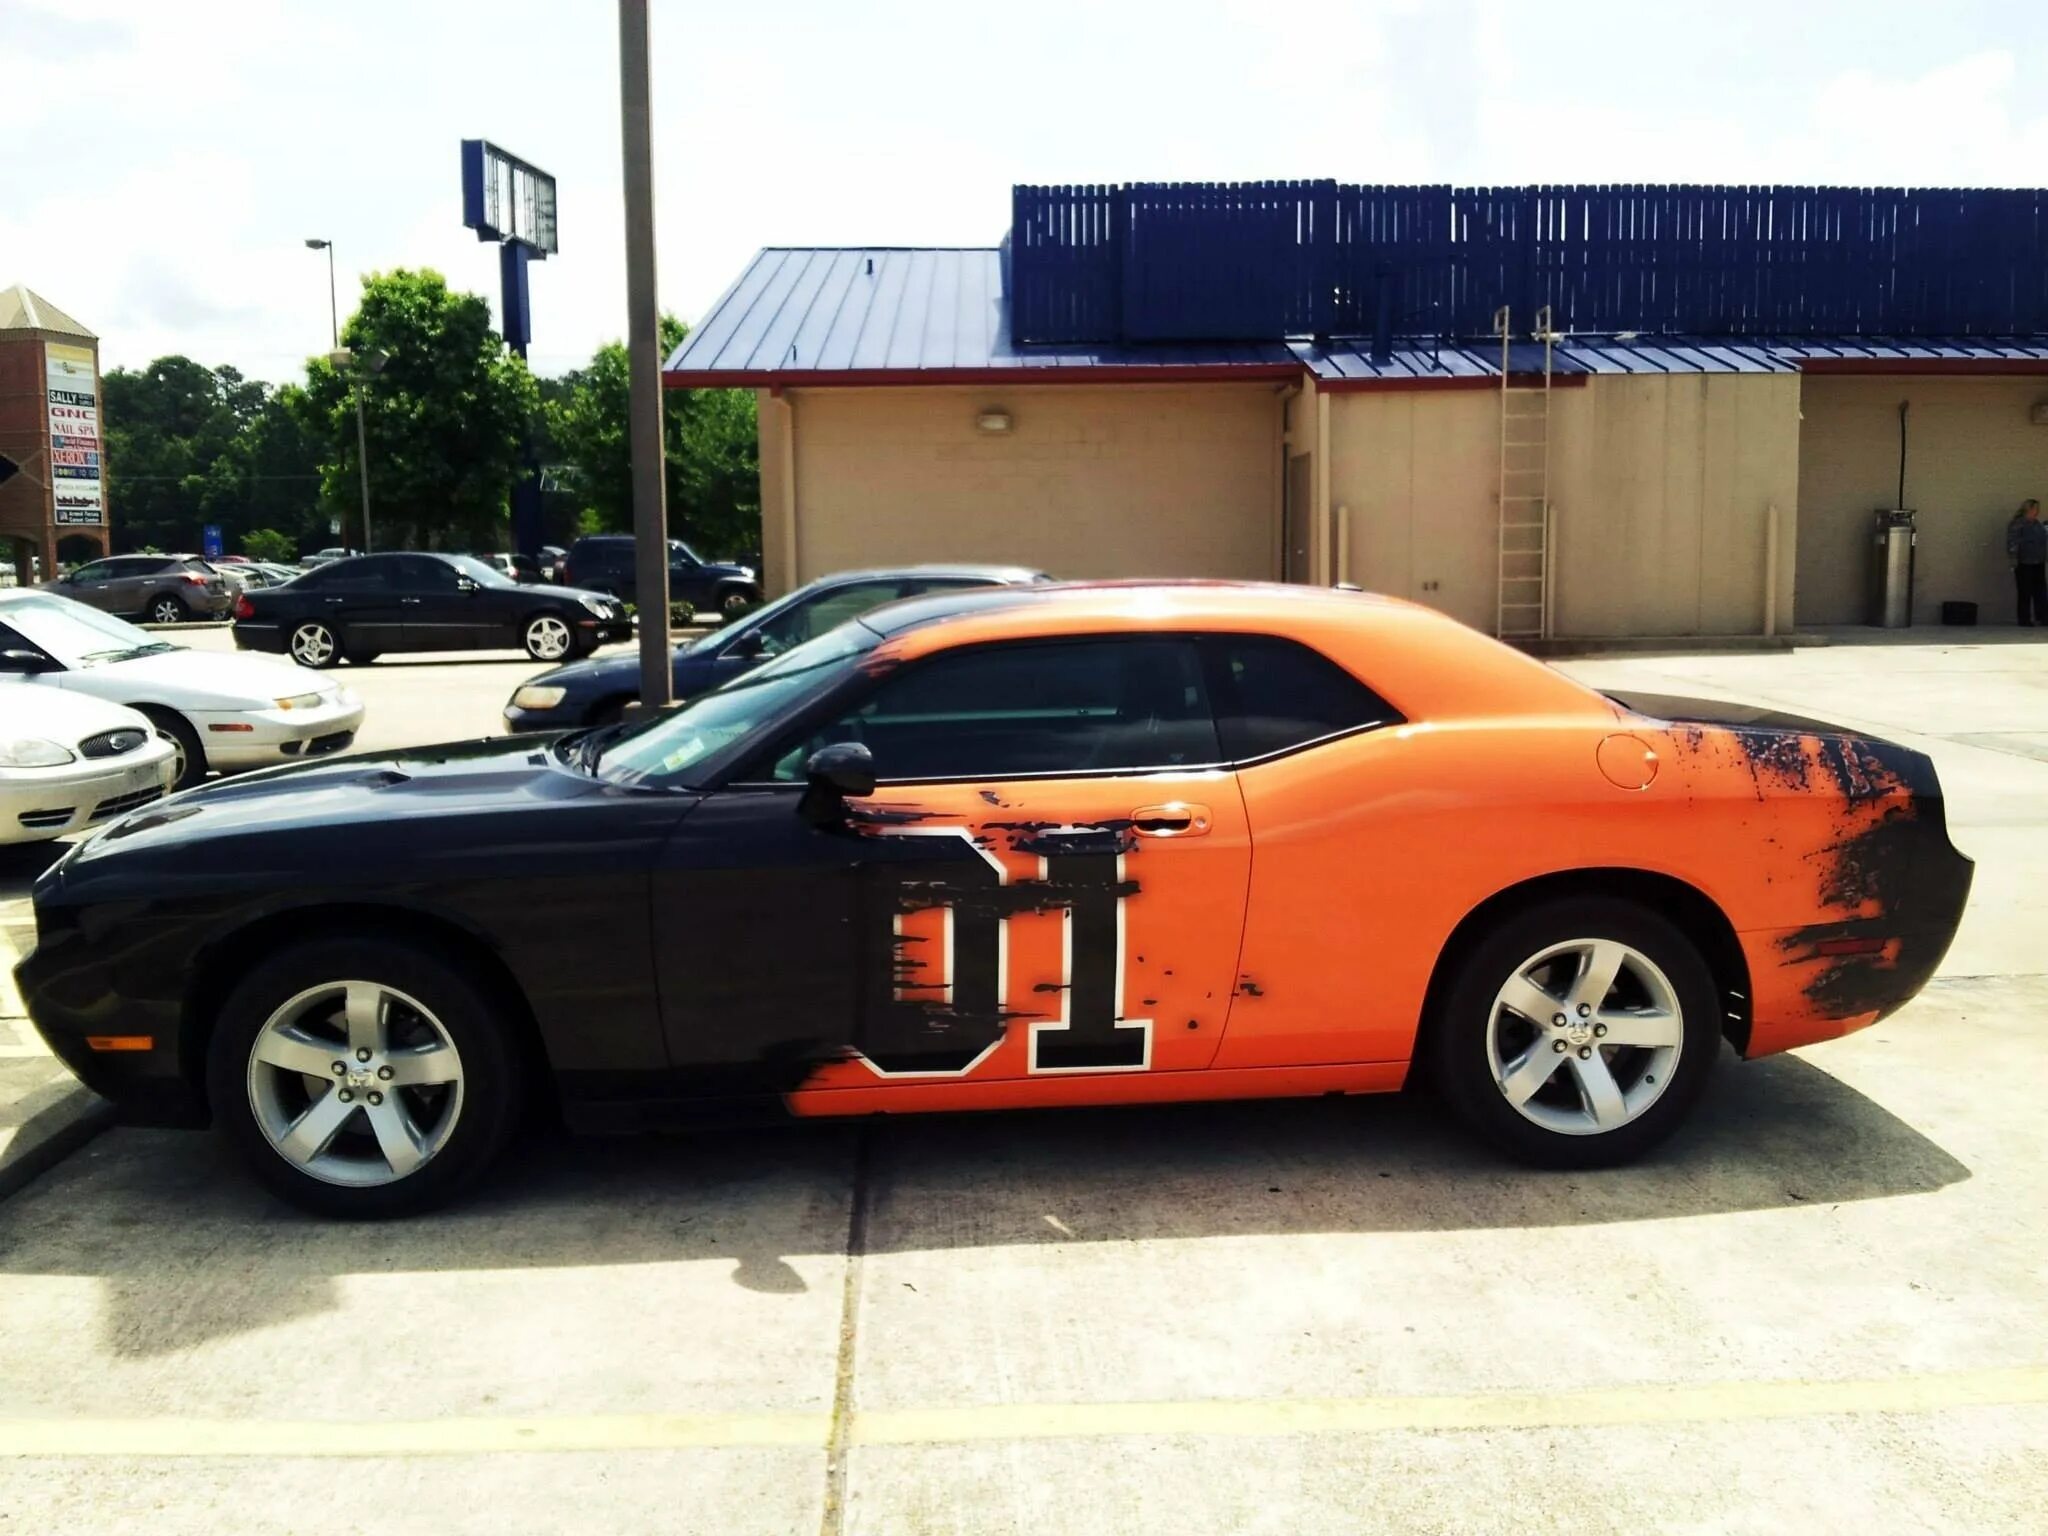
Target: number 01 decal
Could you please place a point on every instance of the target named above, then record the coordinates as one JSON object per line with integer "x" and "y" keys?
{"x": 939, "y": 1009}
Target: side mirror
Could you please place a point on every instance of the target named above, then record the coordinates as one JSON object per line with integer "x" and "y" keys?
{"x": 464, "y": 584}
{"x": 28, "y": 663}
{"x": 747, "y": 645}
{"x": 845, "y": 770}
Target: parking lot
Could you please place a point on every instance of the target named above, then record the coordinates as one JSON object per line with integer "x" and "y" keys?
{"x": 1819, "y": 1308}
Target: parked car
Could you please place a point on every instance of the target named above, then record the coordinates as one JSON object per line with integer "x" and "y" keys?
{"x": 603, "y": 562}
{"x": 596, "y": 691}
{"x": 551, "y": 557}
{"x": 1013, "y": 847}
{"x": 355, "y": 610}
{"x": 223, "y": 712}
{"x": 276, "y": 575}
{"x": 324, "y": 557}
{"x": 165, "y": 589}
{"x": 68, "y": 762}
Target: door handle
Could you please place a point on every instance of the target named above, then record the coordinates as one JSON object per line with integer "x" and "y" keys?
{"x": 334, "y": 602}
{"x": 1177, "y": 818}
{"x": 410, "y": 601}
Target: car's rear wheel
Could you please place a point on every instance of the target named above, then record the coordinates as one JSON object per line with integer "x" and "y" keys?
{"x": 548, "y": 637}
{"x": 1578, "y": 1033}
{"x": 168, "y": 610}
{"x": 363, "y": 1077}
{"x": 313, "y": 645}
{"x": 735, "y": 601}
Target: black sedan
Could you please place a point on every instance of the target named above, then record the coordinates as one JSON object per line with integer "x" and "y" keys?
{"x": 596, "y": 691}
{"x": 358, "y": 609}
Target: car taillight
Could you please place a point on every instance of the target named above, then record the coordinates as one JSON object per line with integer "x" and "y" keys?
{"x": 244, "y": 609}
{"x": 194, "y": 579}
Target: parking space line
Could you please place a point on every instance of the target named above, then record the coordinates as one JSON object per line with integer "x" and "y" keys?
{"x": 1605, "y": 1407}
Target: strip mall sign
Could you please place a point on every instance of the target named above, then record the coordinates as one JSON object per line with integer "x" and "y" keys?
{"x": 73, "y": 388}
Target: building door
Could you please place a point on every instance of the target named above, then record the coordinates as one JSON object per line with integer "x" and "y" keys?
{"x": 1296, "y": 514}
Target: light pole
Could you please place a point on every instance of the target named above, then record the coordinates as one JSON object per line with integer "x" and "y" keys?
{"x": 334, "y": 338}
{"x": 643, "y": 350}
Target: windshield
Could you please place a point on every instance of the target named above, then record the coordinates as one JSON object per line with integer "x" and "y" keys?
{"x": 479, "y": 570}
{"x": 678, "y": 547}
{"x": 77, "y": 635}
{"x": 677, "y": 742}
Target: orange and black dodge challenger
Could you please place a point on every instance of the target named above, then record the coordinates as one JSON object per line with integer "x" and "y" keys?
{"x": 1091, "y": 844}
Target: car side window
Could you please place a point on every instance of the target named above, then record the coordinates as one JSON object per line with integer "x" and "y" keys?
{"x": 98, "y": 570}
{"x": 416, "y": 573}
{"x": 1043, "y": 709}
{"x": 369, "y": 573}
{"x": 827, "y": 611}
{"x": 1274, "y": 694}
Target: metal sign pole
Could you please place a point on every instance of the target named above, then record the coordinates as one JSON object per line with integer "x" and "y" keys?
{"x": 643, "y": 346}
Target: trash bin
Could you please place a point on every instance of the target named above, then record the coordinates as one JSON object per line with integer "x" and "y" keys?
{"x": 1891, "y": 570}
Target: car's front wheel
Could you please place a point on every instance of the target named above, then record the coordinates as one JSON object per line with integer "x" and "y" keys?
{"x": 548, "y": 637}
{"x": 168, "y": 610}
{"x": 734, "y": 601}
{"x": 363, "y": 1077}
{"x": 1578, "y": 1033}
{"x": 313, "y": 645}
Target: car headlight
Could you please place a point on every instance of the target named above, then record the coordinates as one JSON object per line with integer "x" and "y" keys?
{"x": 539, "y": 696}
{"x": 33, "y": 752}
{"x": 301, "y": 701}
{"x": 601, "y": 606}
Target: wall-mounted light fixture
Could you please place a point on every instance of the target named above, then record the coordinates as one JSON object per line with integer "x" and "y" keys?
{"x": 993, "y": 420}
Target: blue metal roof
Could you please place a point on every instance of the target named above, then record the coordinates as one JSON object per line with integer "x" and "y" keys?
{"x": 870, "y": 313}
{"x": 896, "y": 315}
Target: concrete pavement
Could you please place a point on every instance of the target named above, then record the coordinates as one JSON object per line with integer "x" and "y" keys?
{"x": 1817, "y": 1309}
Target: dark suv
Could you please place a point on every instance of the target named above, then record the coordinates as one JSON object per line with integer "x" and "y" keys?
{"x": 603, "y": 562}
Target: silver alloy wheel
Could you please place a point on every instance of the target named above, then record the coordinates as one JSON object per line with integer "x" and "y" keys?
{"x": 354, "y": 1083}
{"x": 1585, "y": 1036}
{"x": 313, "y": 645}
{"x": 547, "y": 638}
{"x": 167, "y": 610}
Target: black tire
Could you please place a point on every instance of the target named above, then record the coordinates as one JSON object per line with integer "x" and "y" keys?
{"x": 166, "y": 609}
{"x": 1460, "y": 1057}
{"x": 491, "y": 1086}
{"x": 734, "y": 601}
{"x": 313, "y": 643}
{"x": 192, "y": 764}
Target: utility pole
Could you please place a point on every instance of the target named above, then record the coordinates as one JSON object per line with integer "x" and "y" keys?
{"x": 643, "y": 347}
{"x": 334, "y": 339}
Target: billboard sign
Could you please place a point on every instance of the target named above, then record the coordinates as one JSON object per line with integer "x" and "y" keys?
{"x": 72, "y": 385}
{"x": 505, "y": 198}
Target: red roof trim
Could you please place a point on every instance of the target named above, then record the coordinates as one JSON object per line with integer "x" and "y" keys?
{"x": 1111, "y": 373}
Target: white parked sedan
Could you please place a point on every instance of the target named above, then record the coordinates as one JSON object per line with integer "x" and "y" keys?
{"x": 221, "y": 711}
{"x": 68, "y": 762}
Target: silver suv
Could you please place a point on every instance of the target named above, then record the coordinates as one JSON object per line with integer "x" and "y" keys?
{"x": 164, "y": 589}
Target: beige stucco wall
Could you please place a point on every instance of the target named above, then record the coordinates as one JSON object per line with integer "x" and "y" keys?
{"x": 1972, "y": 455}
{"x": 1661, "y": 488}
{"x": 1121, "y": 480}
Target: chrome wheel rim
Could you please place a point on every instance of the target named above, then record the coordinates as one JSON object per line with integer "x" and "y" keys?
{"x": 548, "y": 639}
{"x": 354, "y": 1083}
{"x": 1585, "y": 1036}
{"x": 313, "y": 644}
{"x": 167, "y": 611}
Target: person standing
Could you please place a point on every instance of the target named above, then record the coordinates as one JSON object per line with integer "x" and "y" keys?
{"x": 2026, "y": 545}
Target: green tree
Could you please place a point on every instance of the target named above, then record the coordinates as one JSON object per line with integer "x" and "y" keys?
{"x": 189, "y": 445}
{"x": 269, "y": 545}
{"x": 713, "y": 473}
{"x": 445, "y": 416}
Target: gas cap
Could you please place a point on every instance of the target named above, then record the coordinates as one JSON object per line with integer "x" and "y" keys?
{"x": 1628, "y": 761}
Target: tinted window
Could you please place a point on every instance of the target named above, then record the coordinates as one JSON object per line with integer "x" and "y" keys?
{"x": 201, "y": 566}
{"x": 99, "y": 570}
{"x": 828, "y": 610}
{"x": 1275, "y": 694}
{"x": 370, "y": 573}
{"x": 1071, "y": 707}
{"x": 419, "y": 574}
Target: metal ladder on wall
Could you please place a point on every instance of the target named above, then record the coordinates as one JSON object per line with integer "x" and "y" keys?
{"x": 1522, "y": 610}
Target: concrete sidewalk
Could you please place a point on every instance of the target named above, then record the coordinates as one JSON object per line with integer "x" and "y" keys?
{"x": 46, "y": 1114}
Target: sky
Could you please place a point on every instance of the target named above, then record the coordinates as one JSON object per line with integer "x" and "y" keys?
{"x": 161, "y": 164}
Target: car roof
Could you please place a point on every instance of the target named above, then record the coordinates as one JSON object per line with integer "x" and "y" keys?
{"x": 1424, "y": 662}
{"x": 1000, "y": 575}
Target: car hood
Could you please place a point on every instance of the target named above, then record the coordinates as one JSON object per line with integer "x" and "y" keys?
{"x": 34, "y": 708}
{"x": 199, "y": 679}
{"x": 337, "y": 794}
{"x": 610, "y": 674}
